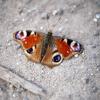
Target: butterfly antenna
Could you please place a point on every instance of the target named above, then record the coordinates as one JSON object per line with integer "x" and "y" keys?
{"x": 48, "y": 25}
{"x": 54, "y": 25}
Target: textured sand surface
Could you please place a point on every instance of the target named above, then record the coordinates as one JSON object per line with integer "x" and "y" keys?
{"x": 75, "y": 79}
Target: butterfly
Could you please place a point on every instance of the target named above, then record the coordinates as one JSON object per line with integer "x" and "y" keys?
{"x": 45, "y": 48}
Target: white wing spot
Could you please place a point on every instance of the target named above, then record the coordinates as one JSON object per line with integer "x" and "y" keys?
{"x": 32, "y": 33}
{"x": 65, "y": 40}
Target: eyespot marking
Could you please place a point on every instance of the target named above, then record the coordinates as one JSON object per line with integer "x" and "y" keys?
{"x": 76, "y": 46}
{"x": 17, "y": 35}
{"x": 30, "y": 50}
{"x": 20, "y": 35}
{"x": 57, "y": 58}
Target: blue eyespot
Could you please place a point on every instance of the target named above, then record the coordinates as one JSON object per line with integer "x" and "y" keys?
{"x": 17, "y": 35}
{"x": 30, "y": 50}
{"x": 57, "y": 58}
{"x": 21, "y": 35}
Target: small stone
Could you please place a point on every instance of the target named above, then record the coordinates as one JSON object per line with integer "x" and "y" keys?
{"x": 0, "y": 45}
{"x": 97, "y": 33}
{"x": 21, "y": 11}
{"x": 14, "y": 95}
{"x": 95, "y": 89}
{"x": 76, "y": 55}
{"x": 60, "y": 29}
{"x": 98, "y": 3}
{"x": 10, "y": 86}
{"x": 17, "y": 63}
{"x": 1, "y": 92}
{"x": 66, "y": 20}
{"x": 97, "y": 16}
{"x": 98, "y": 69}
{"x": 25, "y": 98}
{"x": 94, "y": 46}
{"x": 45, "y": 16}
{"x": 41, "y": 28}
{"x": 9, "y": 44}
{"x": 91, "y": 74}
{"x": 18, "y": 47}
{"x": 58, "y": 12}
{"x": 19, "y": 54}
{"x": 95, "y": 20}
{"x": 90, "y": 13}
{"x": 23, "y": 19}
{"x": 83, "y": 53}
{"x": 98, "y": 66}
{"x": 87, "y": 80}
{"x": 54, "y": 12}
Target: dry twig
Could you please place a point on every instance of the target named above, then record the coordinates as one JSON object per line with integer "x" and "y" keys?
{"x": 14, "y": 79}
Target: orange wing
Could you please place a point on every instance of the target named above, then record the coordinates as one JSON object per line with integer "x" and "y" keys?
{"x": 67, "y": 47}
{"x": 62, "y": 49}
{"x": 31, "y": 43}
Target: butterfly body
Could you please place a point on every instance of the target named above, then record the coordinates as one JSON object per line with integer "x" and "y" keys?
{"x": 45, "y": 48}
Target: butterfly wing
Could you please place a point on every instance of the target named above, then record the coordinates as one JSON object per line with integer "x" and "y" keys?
{"x": 62, "y": 49}
{"x": 31, "y": 43}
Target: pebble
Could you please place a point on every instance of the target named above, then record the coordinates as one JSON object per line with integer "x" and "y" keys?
{"x": 23, "y": 20}
{"x": 9, "y": 44}
{"x": 45, "y": 16}
{"x": 58, "y": 12}
{"x": 94, "y": 46}
{"x": 17, "y": 63}
{"x": 95, "y": 20}
{"x": 41, "y": 28}
{"x": 98, "y": 3}
{"x": 97, "y": 16}
{"x": 25, "y": 98}
{"x": 0, "y": 45}
{"x": 14, "y": 95}
{"x": 92, "y": 74}
{"x": 76, "y": 55}
{"x": 97, "y": 33}
{"x": 95, "y": 89}
{"x": 83, "y": 53}
{"x": 1, "y": 92}
{"x": 60, "y": 29}
{"x": 87, "y": 80}
{"x": 10, "y": 86}
{"x": 98, "y": 67}
{"x": 18, "y": 47}
{"x": 66, "y": 20}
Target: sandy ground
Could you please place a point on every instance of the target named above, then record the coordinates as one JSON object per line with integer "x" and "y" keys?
{"x": 75, "y": 79}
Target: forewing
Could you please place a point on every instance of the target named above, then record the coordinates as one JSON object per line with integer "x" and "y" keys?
{"x": 67, "y": 47}
{"x": 31, "y": 43}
